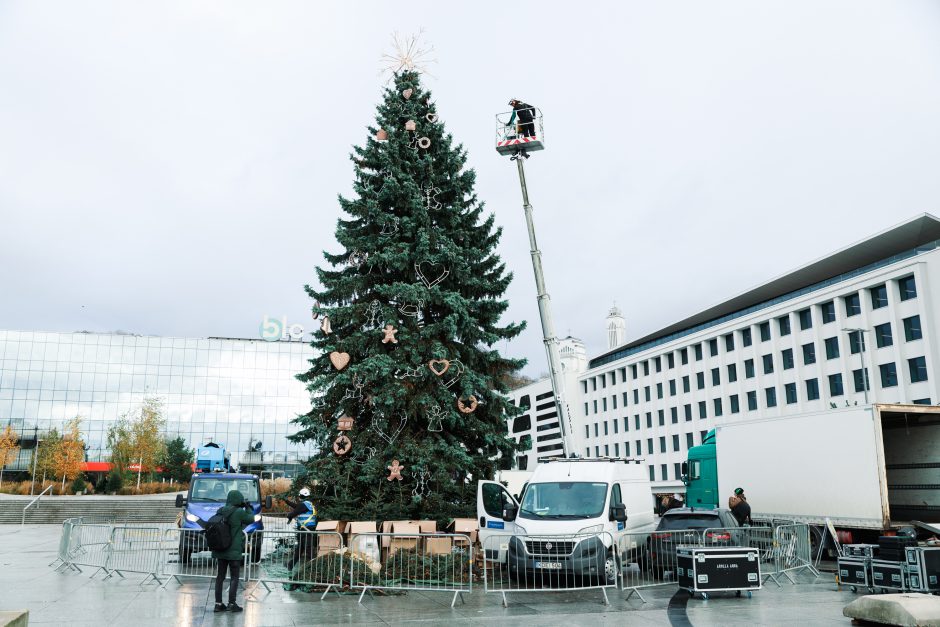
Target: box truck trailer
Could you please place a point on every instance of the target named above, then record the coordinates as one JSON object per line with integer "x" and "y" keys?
{"x": 867, "y": 469}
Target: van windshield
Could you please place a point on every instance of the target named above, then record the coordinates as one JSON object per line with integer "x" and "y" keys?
{"x": 215, "y": 489}
{"x": 563, "y": 500}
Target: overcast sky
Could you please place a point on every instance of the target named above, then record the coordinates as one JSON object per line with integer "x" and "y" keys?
{"x": 172, "y": 168}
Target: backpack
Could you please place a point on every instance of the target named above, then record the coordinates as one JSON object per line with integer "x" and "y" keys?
{"x": 218, "y": 533}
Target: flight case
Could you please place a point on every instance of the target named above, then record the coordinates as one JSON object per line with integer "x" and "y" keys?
{"x": 855, "y": 572}
{"x": 888, "y": 575}
{"x": 713, "y": 569}
{"x": 923, "y": 569}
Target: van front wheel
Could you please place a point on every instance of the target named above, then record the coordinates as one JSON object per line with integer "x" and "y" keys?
{"x": 610, "y": 568}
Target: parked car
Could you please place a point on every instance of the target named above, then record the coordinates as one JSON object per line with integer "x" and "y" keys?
{"x": 685, "y": 526}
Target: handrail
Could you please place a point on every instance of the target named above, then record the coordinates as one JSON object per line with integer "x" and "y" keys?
{"x": 33, "y": 502}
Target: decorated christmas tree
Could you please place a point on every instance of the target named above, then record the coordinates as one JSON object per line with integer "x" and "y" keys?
{"x": 408, "y": 392}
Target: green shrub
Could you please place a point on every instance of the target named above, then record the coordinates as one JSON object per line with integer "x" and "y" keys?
{"x": 78, "y": 485}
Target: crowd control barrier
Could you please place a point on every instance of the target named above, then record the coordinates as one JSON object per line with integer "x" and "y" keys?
{"x": 649, "y": 559}
{"x": 414, "y": 561}
{"x": 135, "y": 550}
{"x": 184, "y": 554}
{"x": 794, "y": 552}
{"x": 304, "y": 558}
{"x": 549, "y": 563}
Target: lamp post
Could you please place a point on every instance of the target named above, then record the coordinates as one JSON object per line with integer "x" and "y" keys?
{"x": 862, "y": 343}
{"x": 32, "y": 481}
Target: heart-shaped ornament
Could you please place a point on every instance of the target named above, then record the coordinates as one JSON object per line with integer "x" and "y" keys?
{"x": 456, "y": 371}
{"x": 439, "y": 366}
{"x": 431, "y": 273}
{"x": 388, "y": 437}
{"x": 339, "y": 360}
{"x": 406, "y": 94}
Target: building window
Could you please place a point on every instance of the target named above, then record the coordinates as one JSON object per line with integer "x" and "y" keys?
{"x": 593, "y": 384}
{"x": 853, "y": 305}
{"x": 674, "y": 412}
{"x": 700, "y": 380}
{"x": 616, "y": 450}
{"x": 586, "y": 412}
{"x": 764, "y": 329}
{"x": 806, "y": 319}
{"x": 636, "y": 396}
{"x": 662, "y": 416}
{"x": 658, "y": 362}
{"x": 587, "y": 431}
{"x": 652, "y": 473}
{"x": 649, "y": 420}
{"x": 675, "y": 443}
{"x": 646, "y": 368}
{"x": 859, "y": 378}
{"x": 716, "y": 376}
{"x": 729, "y": 342}
{"x": 596, "y": 434}
{"x": 809, "y": 354}
{"x": 832, "y": 347}
{"x": 639, "y": 447}
{"x": 686, "y": 387}
{"x": 771, "y": 394}
{"x": 606, "y": 450}
{"x": 827, "y": 311}
{"x": 768, "y": 363}
{"x": 733, "y": 401}
{"x": 713, "y": 347}
{"x": 912, "y": 329}
{"x": 879, "y": 296}
{"x": 649, "y": 445}
{"x": 587, "y": 451}
{"x": 702, "y": 409}
{"x": 659, "y": 390}
{"x": 918, "y": 368}
{"x": 907, "y": 289}
{"x": 633, "y": 371}
{"x": 626, "y": 449}
{"x": 662, "y": 471}
{"x": 689, "y": 440}
{"x": 856, "y": 342}
{"x": 623, "y": 375}
{"x": 812, "y": 389}
{"x": 746, "y": 337}
{"x": 789, "y": 391}
{"x": 698, "y": 352}
{"x": 606, "y": 432}
{"x": 751, "y": 400}
{"x": 688, "y": 412}
{"x": 717, "y": 407}
{"x": 646, "y": 393}
{"x": 783, "y": 324}
{"x": 921, "y": 401}
{"x": 595, "y": 406}
{"x": 732, "y": 373}
{"x": 883, "y": 335}
{"x": 626, "y": 424}
{"x": 684, "y": 355}
{"x": 672, "y": 387}
{"x": 604, "y": 403}
{"x": 636, "y": 421}
{"x": 748, "y": 368}
{"x": 889, "y": 375}
{"x": 603, "y": 381}
{"x": 616, "y": 425}
{"x": 787, "y": 358}
{"x": 835, "y": 385}
{"x": 702, "y": 435}
{"x": 584, "y": 386}
{"x": 624, "y": 395}
{"x": 671, "y": 360}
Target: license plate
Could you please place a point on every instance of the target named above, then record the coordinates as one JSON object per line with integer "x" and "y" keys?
{"x": 549, "y": 565}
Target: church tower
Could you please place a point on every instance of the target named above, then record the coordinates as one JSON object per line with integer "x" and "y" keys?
{"x": 616, "y": 328}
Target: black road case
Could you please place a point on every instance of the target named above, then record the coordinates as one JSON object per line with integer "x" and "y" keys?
{"x": 923, "y": 569}
{"x": 860, "y": 550}
{"x": 888, "y": 575}
{"x": 725, "y": 569}
{"x": 855, "y": 572}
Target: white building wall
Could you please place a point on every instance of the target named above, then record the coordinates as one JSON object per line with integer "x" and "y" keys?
{"x": 605, "y": 425}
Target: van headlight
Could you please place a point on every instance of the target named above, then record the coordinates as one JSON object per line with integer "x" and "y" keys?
{"x": 594, "y": 529}
{"x": 257, "y": 517}
{"x": 192, "y": 517}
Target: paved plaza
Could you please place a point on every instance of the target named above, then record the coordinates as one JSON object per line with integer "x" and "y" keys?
{"x": 75, "y": 599}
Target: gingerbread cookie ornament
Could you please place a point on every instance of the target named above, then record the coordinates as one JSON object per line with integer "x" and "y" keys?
{"x": 394, "y": 471}
{"x": 390, "y": 332}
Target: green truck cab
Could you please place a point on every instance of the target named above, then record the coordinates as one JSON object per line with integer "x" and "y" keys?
{"x": 700, "y": 474}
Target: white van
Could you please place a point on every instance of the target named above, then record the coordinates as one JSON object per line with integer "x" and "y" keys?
{"x": 567, "y": 497}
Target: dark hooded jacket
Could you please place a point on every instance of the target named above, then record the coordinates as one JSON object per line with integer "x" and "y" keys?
{"x": 238, "y": 518}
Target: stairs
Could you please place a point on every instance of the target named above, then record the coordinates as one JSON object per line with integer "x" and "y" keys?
{"x": 55, "y": 509}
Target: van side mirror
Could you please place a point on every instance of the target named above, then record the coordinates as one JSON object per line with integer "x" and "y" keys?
{"x": 180, "y": 500}
{"x": 618, "y": 512}
{"x": 268, "y": 502}
{"x": 509, "y": 512}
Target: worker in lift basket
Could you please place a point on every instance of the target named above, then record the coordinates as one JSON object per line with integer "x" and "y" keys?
{"x": 739, "y": 507}
{"x": 306, "y": 515}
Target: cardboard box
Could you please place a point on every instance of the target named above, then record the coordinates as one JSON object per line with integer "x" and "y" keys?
{"x": 329, "y": 542}
{"x": 405, "y": 539}
{"x": 387, "y": 528}
{"x": 426, "y": 526}
{"x": 438, "y": 546}
{"x": 467, "y": 526}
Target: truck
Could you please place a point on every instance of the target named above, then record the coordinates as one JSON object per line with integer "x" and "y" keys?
{"x": 213, "y": 457}
{"x": 861, "y": 470}
{"x": 587, "y": 504}
{"x": 207, "y": 494}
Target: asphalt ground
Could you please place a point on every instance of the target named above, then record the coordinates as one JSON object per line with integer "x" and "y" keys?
{"x": 27, "y": 581}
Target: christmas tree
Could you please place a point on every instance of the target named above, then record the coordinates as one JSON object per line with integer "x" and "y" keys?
{"x": 408, "y": 394}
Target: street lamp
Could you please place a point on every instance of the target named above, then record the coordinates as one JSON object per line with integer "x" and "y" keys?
{"x": 862, "y": 343}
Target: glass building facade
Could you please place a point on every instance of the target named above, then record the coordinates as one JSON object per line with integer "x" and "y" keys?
{"x": 240, "y": 393}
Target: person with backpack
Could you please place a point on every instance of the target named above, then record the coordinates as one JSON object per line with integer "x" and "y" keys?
{"x": 306, "y": 515}
{"x": 739, "y": 507}
{"x": 224, "y": 536}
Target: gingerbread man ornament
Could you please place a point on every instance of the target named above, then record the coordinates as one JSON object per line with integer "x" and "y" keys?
{"x": 395, "y": 470}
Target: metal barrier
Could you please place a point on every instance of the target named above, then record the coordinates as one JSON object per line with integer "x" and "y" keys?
{"x": 550, "y": 563}
{"x": 649, "y": 559}
{"x": 418, "y": 561}
{"x": 764, "y": 539}
{"x": 304, "y": 558}
{"x": 65, "y": 543}
{"x": 136, "y": 550}
{"x": 89, "y": 546}
{"x": 185, "y": 554}
{"x": 794, "y": 550}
